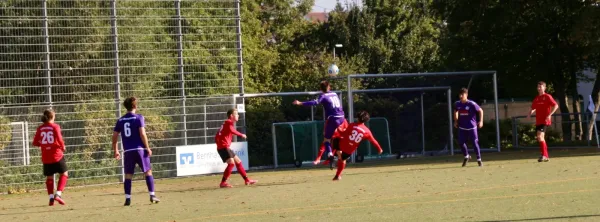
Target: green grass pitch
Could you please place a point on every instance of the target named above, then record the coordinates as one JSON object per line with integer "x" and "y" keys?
{"x": 512, "y": 186}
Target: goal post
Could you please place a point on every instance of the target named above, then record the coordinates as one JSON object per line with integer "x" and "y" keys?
{"x": 446, "y": 89}
{"x": 351, "y": 90}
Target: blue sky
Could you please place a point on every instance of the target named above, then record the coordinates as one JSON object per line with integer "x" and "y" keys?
{"x": 328, "y": 5}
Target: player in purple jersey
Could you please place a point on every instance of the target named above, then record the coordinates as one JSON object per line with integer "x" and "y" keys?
{"x": 465, "y": 119}
{"x": 334, "y": 114}
{"x": 135, "y": 148}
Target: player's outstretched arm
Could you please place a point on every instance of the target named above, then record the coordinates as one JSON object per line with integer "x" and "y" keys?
{"x": 115, "y": 138}
{"x": 376, "y": 144}
{"x": 235, "y": 132}
{"x": 306, "y": 103}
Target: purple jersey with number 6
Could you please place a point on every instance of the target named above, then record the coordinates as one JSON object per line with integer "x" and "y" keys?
{"x": 129, "y": 127}
{"x": 467, "y": 114}
{"x": 331, "y": 104}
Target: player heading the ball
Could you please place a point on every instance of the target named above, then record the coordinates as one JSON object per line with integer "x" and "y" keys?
{"x": 223, "y": 140}
{"x": 465, "y": 119}
{"x": 136, "y": 150}
{"x": 334, "y": 114}
{"x": 351, "y": 138}
{"x": 48, "y": 137}
{"x": 544, "y": 106}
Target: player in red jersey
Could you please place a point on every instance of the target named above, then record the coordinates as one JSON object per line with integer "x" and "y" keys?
{"x": 49, "y": 138}
{"x": 351, "y": 138}
{"x": 335, "y": 139}
{"x": 223, "y": 140}
{"x": 544, "y": 106}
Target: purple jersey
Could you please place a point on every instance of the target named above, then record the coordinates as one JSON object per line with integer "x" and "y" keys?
{"x": 129, "y": 126}
{"x": 467, "y": 114}
{"x": 331, "y": 104}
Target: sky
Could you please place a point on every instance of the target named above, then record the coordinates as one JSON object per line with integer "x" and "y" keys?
{"x": 328, "y": 5}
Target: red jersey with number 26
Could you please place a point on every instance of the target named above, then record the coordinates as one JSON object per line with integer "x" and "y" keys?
{"x": 354, "y": 134}
{"x": 543, "y": 106}
{"x": 49, "y": 138}
{"x": 223, "y": 137}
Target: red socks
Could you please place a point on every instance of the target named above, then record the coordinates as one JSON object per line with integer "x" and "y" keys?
{"x": 50, "y": 186}
{"x": 227, "y": 173}
{"x": 340, "y": 167}
{"x": 241, "y": 170}
{"x": 544, "y": 149}
{"x": 62, "y": 182}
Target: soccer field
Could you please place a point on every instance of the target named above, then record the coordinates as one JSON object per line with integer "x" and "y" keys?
{"x": 512, "y": 186}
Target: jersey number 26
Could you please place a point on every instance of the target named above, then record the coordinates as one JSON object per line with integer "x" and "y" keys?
{"x": 47, "y": 137}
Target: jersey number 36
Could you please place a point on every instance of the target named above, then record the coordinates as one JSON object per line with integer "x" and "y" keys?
{"x": 355, "y": 136}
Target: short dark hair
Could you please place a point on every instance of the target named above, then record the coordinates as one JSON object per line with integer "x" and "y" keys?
{"x": 542, "y": 83}
{"x": 230, "y": 112}
{"x": 130, "y": 103}
{"x": 463, "y": 91}
{"x": 363, "y": 117}
{"x": 48, "y": 115}
{"x": 323, "y": 85}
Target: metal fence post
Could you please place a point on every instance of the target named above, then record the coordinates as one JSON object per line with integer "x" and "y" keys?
{"x": 515, "y": 133}
{"x": 181, "y": 70}
{"x": 115, "y": 39}
{"x": 450, "y": 130}
{"x": 422, "y": 126}
{"x": 495, "y": 82}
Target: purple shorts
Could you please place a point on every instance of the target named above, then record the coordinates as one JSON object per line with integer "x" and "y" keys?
{"x": 139, "y": 157}
{"x": 331, "y": 124}
{"x": 467, "y": 136}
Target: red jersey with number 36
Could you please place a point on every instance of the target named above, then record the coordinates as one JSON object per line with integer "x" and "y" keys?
{"x": 223, "y": 137}
{"x": 543, "y": 106}
{"x": 49, "y": 138}
{"x": 354, "y": 134}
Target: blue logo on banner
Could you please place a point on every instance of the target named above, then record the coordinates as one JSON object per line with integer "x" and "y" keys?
{"x": 186, "y": 158}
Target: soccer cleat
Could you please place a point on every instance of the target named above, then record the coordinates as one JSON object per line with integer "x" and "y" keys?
{"x": 466, "y": 160}
{"x": 153, "y": 199}
{"x": 51, "y": 202}
{"x": 331, "y": 162}
{"x": 479, "y": 163}
{"x": 250, "y": 182}
{"x": 541, "y": 159}
{"x": 336, "y": 178}
{"x": 127, "y": 202}
{"x": 225, "y": 185}
{"x": 545, "y": 159}
{"x": 59, "y": 199}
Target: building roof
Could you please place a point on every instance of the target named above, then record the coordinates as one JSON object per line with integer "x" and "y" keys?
{"x": 319, "y": 17}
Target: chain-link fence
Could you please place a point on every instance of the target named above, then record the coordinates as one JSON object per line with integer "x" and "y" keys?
{"x": 82, "y": 58}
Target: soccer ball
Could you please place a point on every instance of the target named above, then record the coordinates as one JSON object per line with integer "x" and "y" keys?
{"x": 333, "y": 70}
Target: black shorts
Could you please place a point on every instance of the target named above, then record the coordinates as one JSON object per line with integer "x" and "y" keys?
{"x": 335, "y": 143}
{"x": 53, "y": 168}
{"x": 541, "y": 127}
{"x": 225, "y": 154}
{"x": 345, "y": 156}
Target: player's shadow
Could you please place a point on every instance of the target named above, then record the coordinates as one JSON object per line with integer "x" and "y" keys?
{"x": 550, "y": 218}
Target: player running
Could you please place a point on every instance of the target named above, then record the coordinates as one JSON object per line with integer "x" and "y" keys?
{"x": 223, "y": 140}
{"x": 334, "y": 115}
{"x": 136, "y": 150}
{"x": 49, "y": 138}
{"x": 350, "y": 140}
{"x": 465, "y": 119}
{"x": 544, "y": 106}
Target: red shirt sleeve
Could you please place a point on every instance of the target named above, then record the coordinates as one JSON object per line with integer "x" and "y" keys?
{"x": 36, "y": 138}
{"x": 59, "y": 138}
{"x": 374, "y": 142}
{"x": 550, "y": 100}
{"x": 233, "y": 130}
